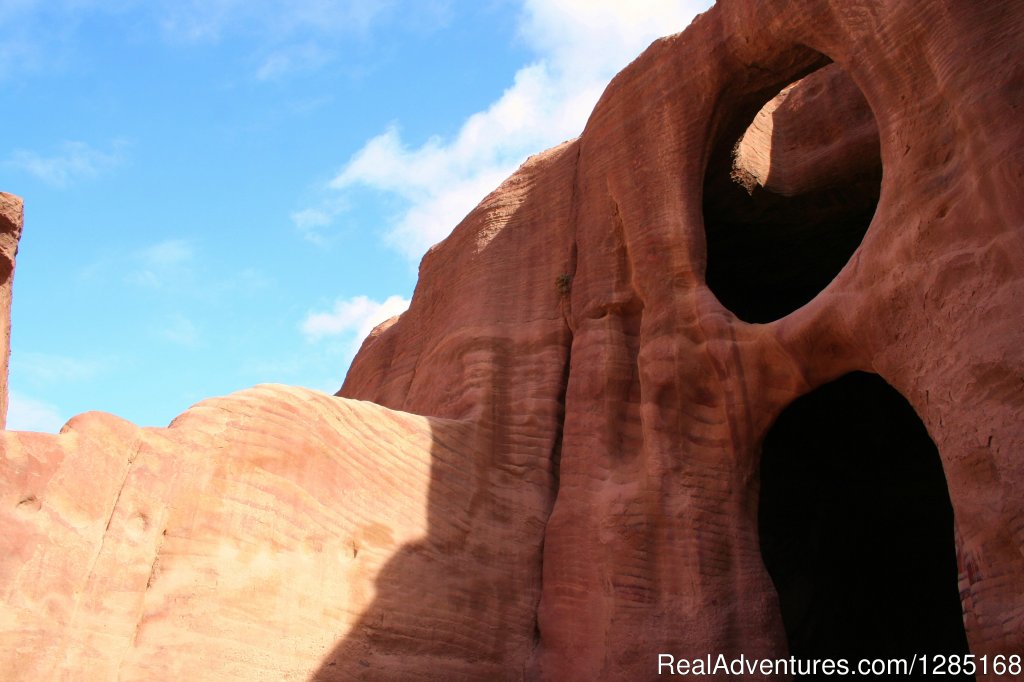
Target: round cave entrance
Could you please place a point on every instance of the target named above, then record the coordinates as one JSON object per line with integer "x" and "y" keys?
{"x": 789, "y": 195}
{"x": 856, "y": 527}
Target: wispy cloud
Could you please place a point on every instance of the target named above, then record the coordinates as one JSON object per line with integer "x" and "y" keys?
{"x": 283, "y": 61}
{"x": 335, "y": 336}
{"x": 17, "y": 54}
{"x": 178, "y": 329}
{"x": 289, "y": 36}
{"x": 28, "y": 414}
{"x": 169, "y": 252}
{"x": 310, "y": 223}
{"x": 71, "y": 163}
{"x": 48, "y": 369}
{"x": 173, "y": 269}
{"x": 212, "y": 20}
{"x": 34, "y": 34}
{"x": 161, "y": 264}
{"x": 279, "y": 36}
{"x": 579, "y": 44}
{"x": 354, "y": 317}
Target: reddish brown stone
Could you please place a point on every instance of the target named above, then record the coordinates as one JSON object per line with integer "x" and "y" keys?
{"x": 652, "y": 544}
{"x": 11, "y": 215}
{"x": 818, "y": 132}
{"x": 580, "y": 491}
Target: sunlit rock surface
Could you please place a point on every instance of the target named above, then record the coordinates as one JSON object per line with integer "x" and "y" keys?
{"x": 560, "y": 477}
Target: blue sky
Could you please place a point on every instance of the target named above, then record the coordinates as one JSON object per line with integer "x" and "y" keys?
{"x": 221, "y": 193}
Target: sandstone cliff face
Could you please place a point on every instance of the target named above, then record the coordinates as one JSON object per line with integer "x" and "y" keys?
{"x": 560, "y": 478}
{"x": 652, "y": 543}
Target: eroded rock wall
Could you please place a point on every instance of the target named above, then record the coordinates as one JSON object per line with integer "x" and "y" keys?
{"x": 254, "y": 534}
{"x": 652, "y": 543}
{"x": 561, "y": 477}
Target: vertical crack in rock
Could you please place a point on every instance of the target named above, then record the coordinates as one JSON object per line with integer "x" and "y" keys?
{"x": 556, "y": 461}
{"x": 133, "y": 642}
{"x": 556, "y": 448}
{"x": 133, "y": 453}
{"x": 73, "y": 629}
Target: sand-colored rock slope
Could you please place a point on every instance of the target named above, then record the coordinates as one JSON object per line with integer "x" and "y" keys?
{"x": 559, "y": 478}
{"x": 246, "y": 540}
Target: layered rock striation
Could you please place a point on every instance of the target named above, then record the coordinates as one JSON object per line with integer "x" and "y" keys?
{"x": 549, "y": 466}
{"x": 652, "y": 544}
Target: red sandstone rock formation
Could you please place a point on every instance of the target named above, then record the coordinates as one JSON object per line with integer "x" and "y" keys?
{"x": 652, "y": 544}
{"x": 579, "y": 491}
{"x": 10, "y": 233}
{"x": 818, "y": 132}
{"x": 242, "y": 542}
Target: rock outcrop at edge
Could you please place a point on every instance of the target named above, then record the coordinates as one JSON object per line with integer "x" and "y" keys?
{"x": 11, "y": 218}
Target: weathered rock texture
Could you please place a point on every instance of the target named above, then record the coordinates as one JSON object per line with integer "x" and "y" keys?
{"x": 817, "y": 133}
{"x": 652, "y": 542}
{"x": 253, "y": 534}
{"x": 11, "y": 213}
{"x": 579, "y": 490}
{"x": 786, "y": 206}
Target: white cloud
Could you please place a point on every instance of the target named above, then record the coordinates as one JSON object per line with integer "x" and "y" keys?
{"x": 339, "y": 332}
{"x": 75, "y": 161}
{"x": 356, "y": 316}
{"x": 28, "y": 414}
{"x": 580, "y": 45}
{"x": 599, "y": 37}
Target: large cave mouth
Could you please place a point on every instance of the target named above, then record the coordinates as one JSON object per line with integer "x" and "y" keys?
{"x": 856, "y": 527}
{"x": 788, "y": 196}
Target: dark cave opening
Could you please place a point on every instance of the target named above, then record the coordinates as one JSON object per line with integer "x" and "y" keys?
{"x": 856, "y": 527}
{"x": 788, "y": 196}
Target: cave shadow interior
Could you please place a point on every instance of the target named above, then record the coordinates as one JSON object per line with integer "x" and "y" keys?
{"x": 856, "y": 527}
{"x": 768, "y": 254}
